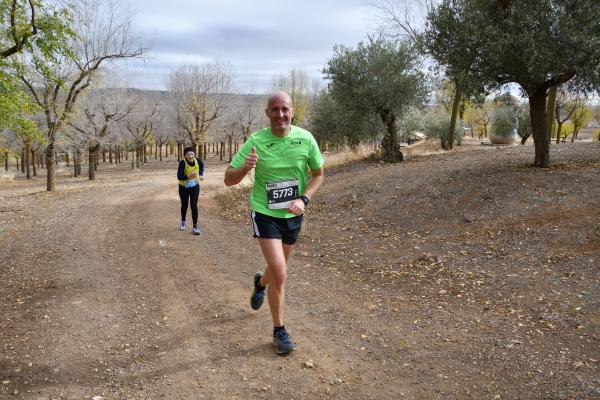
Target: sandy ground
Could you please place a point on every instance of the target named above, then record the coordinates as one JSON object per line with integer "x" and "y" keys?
{"x": 467, "y": 275}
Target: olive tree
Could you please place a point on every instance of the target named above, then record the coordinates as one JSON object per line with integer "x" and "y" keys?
{"x": 378, "y": 78}
{"x": 332, "y": 122}
{"x": 536, "y": 44}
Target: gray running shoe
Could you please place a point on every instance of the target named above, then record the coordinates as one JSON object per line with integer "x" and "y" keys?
{"x": 182, "y": 226}
{"x": 283, "y": 342}
{"x": 258, "y": 295}
{"x": 196, "y": 230}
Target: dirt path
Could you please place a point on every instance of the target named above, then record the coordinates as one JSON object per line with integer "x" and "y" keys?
{"x": 119, "y": 303}
{"x": 103, "y": 296}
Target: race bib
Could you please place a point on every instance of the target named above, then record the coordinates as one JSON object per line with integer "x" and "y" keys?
{"x": 191, "y": 183}
{"x": 281, "y": 193}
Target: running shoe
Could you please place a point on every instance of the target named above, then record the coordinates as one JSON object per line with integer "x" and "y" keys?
{"x": 196, "y": 230}
{"x": 182, "y": 226}
{"x": 258, "y": 295}
{"x": 283, "y": 342}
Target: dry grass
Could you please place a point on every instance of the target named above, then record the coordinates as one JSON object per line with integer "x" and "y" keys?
{"x": 233, "y": 202}
{"x": 347, "y": 155}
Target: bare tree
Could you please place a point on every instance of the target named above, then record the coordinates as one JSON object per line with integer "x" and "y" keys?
{"x": 251, "y": 113}
{"x": 402, "y": 18}
{"x": 296, "y": 84}
{"x": 140, "y": 124}
{"x": 103, "y": 35}
{"x": 100, "y": 110}
{"x": 200, "y": 93}
{"x": 566, "y": 104}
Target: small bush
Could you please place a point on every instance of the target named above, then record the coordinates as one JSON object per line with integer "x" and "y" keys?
{"x": 436, "y": 125}
{"x": 504, "y": 123}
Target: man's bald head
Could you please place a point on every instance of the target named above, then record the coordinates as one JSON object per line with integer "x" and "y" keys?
{"x": 280, "y": 96}
{"x": 280, "y": 113}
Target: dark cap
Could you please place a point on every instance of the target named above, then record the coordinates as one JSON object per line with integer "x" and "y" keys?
{"x": 188, "y": 149}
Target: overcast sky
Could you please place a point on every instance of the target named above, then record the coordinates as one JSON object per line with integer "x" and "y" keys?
{"x": 259, "y": 38}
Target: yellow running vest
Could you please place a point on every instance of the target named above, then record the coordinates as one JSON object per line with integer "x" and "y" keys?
{"x": 187, "y": 169}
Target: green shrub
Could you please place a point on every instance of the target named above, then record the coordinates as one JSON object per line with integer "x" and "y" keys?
{"x": 504, "y": 123}
{"x": 436, "y": 124}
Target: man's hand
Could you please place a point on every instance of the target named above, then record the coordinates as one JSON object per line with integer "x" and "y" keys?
{"x": 296, "y": 207}
{"x": 251, "y": 160}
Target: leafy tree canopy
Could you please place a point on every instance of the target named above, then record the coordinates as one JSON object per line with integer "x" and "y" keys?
{"x": 537, "y": 44}
{"x": 379, "y": 78}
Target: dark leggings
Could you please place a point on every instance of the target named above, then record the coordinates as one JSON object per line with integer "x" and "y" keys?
{"x": 185, "y": 194}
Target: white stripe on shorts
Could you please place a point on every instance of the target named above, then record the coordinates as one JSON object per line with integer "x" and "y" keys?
{"x": 254, "y": 226}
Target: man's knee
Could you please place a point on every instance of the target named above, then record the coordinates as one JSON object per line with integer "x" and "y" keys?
{"x": 278, "y": 275}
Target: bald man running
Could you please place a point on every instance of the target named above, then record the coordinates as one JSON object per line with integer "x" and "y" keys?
{"x": 281, "y": 155}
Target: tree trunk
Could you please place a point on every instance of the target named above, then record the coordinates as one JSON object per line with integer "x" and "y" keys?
{"x": 6, "y": 160}
{"x": 389, "y": 144}
{"x": 558, "y": 131}
{"x": 78, "y": 163}
{"x": 537, "y": 110}
{"x": 51, "y": 167}
{"x": 103, "y": 154}
{"x": 551, "y": 102}
{"x": 23, "y": 160}
{"x": 27, "y": 157}
{"x": 92, "y": 152}
{"x": 574, "y": 136}
{"x": 33, "y": 162}
{"x": 455, "y": 104}
{"x": 75, "y": 161}
{"x": 110, "y": 154}
{"x": 230, "y": 147}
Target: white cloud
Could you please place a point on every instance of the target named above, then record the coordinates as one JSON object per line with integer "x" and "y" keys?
{"x": 259, "y": 38}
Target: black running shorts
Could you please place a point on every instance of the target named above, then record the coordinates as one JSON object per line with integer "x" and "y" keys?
{"x": 267, "y": 227}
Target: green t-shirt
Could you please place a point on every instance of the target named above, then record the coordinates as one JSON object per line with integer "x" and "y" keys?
{"x": 279, "y": 159}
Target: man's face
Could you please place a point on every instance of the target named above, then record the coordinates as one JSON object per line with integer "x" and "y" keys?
{"x": 189, "y": 156}
{"x": 280, "y": 113}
